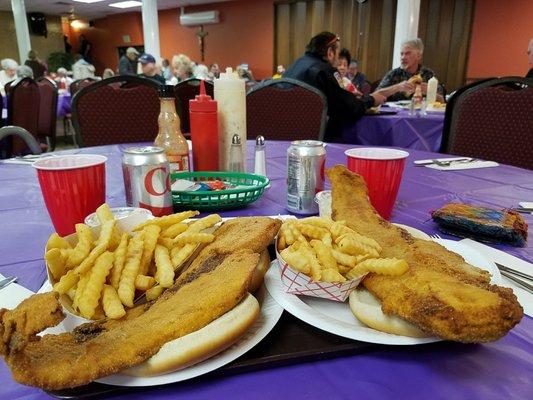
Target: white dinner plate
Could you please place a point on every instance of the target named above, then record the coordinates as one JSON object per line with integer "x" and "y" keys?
{"x": 268, "y": 318}
{"x": 337, "y": 318}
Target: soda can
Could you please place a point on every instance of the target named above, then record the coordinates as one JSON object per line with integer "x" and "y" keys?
{"x": 146, "y": 179}
{"x": 305, "y": 175}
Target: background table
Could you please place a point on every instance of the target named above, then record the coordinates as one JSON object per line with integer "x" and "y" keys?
{"x": 63, "y": 105}
{"x": 398, "y": 130}
{"x": 499, "y": 370}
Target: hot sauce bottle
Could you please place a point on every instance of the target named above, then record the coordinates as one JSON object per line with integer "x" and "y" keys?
{"x": 169, "y": 136}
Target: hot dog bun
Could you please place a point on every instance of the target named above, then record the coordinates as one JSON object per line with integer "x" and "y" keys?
{"x": 259, "y": 272}
{"x": 367, "y": 309}
{"x": 202, "y": 344}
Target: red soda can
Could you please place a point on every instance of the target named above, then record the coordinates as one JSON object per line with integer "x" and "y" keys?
{"x": 146, "y": 179}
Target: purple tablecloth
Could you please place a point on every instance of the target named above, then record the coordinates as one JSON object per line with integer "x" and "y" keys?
{"x": 398, "y": 130}
{"x": 63, "y": 105}
{"x": 500, "y": 370}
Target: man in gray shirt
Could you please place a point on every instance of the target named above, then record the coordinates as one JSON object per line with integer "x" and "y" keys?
{"x": 127, "y": 64}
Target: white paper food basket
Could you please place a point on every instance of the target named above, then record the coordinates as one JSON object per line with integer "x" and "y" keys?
{"x": 299, "y": 283}
{"x": 126, "y": 224}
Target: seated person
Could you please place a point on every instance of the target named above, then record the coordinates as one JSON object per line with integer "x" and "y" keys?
{"x": 280, "y": 70}
{"x": 62, "y": 80}
{"x": 8, "y": 73}
{"x": 342, "y": 69}
{"x": 149, "y": 69}
{"x": 317, "y": 67}
{"x": 182, "y": 68}
{"x": 396, "y": 81}
{"x": 358, "y": 78}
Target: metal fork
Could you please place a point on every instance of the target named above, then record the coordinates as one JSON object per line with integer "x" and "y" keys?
{"x": 450, "y": 162}
{"x": 435, "y": 236}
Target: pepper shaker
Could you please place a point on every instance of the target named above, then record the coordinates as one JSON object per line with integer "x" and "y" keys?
{"x": 236, "y": 163}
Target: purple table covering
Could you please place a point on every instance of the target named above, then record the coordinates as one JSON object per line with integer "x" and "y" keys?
{"x": 63, "y": 105}
{"x": 499, "y": 370}
{"x": 398, "y": 130}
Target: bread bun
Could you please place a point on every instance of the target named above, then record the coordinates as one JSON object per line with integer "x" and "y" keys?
{"x": 202, "y": 344}
{"x": 415, "y": 79}
{"x": 367, "y": 309}
{"x": 259, "y": 272}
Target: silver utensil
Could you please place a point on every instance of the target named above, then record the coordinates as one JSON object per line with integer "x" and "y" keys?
{"x": 5, "y": 282}
{"x": 518, "y": 281}
{"x": 514, "y": 271}
{"x": 444, "y": 162}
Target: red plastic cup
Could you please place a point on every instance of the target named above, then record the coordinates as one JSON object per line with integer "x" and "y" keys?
{"x": 73, "y": 186}
{"x": 382, "y": 170}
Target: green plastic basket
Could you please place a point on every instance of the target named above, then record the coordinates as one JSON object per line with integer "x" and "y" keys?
{"x": 251, "y": 187}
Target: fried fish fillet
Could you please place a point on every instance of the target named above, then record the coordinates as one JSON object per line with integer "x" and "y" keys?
{"x": 98, "y": 349}
{"x": 440, "y": 293}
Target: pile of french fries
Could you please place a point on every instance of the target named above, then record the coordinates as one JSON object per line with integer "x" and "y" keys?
{"x": 101, "y": 275}
{"x": 329, "y": 251}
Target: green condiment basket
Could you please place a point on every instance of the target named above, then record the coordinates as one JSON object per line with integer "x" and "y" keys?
{"x": 251, "y": 187}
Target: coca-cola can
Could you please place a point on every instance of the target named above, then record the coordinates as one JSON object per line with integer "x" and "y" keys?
{"x": 146, "y": 179}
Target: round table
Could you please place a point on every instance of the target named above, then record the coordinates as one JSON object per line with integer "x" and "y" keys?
{"x": 502, "y": 369}
{"x": 397, "y": 130}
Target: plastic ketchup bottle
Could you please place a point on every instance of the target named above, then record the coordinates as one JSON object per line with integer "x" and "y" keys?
{"x": 204, "y": 131}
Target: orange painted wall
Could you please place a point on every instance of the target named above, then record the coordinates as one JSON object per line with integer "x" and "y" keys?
{"x": 500, "y": 36}
{"x": 245, "y": 34}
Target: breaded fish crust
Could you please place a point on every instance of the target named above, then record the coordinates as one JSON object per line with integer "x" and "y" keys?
{"x": 98, "y": 349}
{"x": 440, "y": 293}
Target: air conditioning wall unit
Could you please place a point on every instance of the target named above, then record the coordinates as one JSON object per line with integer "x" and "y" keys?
{"x": 199, "y": 18}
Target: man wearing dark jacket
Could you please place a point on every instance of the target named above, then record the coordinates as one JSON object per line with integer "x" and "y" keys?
{"x": 127, "y": 65}
{"x": 317, "y": 67}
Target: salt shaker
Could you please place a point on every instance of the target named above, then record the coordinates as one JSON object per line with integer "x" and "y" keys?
{"x": 260, "y": 157}
{"x": 236, "y": 163}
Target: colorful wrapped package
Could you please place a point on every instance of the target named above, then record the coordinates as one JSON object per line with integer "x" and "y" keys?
{"x": 482, "y": 223}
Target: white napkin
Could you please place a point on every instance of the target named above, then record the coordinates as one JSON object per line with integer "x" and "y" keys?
{"x": 524, "y": 297}
{"x": 27, "y": 160}
{"x": 13, "y": 294}
{"x": 465, "y": 165}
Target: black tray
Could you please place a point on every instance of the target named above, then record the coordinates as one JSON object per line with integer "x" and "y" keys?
{"x": 291, "y": 341}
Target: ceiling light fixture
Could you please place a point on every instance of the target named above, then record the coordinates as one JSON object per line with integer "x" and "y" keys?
{"x": 126, "y": 4}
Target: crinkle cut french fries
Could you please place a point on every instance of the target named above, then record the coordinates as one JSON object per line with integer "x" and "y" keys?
{"x": 103, "y": 274}
{"x": 329, "y": 251}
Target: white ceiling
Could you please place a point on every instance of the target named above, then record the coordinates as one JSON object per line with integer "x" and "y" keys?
{"x": 93, "y": 10}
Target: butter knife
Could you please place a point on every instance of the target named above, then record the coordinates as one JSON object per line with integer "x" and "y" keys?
{"x": 518, "y": 281}
{"x": 7, "y": 281}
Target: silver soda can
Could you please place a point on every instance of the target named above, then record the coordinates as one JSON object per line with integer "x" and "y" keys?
{"x": 146, "y": 179}
{"x": 305, "y": 175}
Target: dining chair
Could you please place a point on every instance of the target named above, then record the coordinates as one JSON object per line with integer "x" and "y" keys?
{"x": 285, "y": 109}
{"x": 80, "y": 84}
{"x": 23, "y": 105}
{"x": 187, "y": 90}
{"x": 492, "y": 120}
{"x": 7, "y": 132}
{"x": 47, "y": 112}
{"x": 107, "y": 113}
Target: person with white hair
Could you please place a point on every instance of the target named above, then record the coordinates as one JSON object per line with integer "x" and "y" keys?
{"x": 397, "y": 80}
{"x": 8, "y": 73}
{"x": 81, "y": 69}
{"x": 201, "y": 71}
{"x": 24, "y": 71}
{"x": 182, "y": 67}
{"x": 62, "y": 79}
